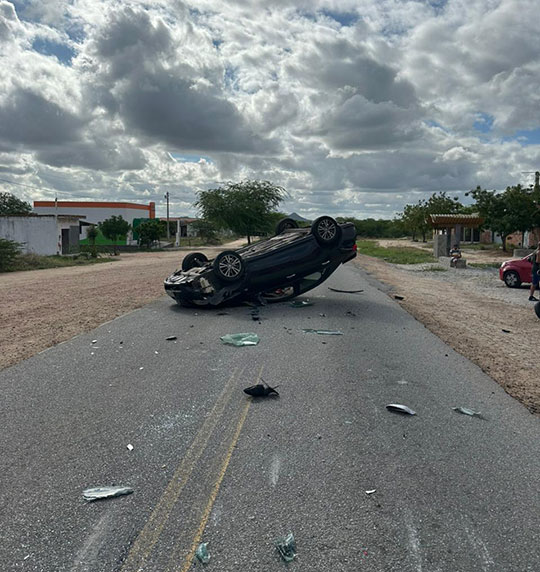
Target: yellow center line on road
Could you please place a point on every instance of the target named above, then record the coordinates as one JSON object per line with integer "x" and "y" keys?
{"x": 145, "y": 542}
{"x": 206, "y": 514}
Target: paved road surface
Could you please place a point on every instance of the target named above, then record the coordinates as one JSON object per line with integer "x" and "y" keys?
{"x": 453, "y": 493}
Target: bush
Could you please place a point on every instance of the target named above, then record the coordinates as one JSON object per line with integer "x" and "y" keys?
{"x": 9, "y": 250}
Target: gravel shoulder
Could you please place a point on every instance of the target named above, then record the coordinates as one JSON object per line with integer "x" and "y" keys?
{"x": 469, "y": 309}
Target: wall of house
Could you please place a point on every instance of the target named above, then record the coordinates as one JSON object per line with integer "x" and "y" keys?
{"x": 96, "y": 212}
{"x": 37, "y": 234}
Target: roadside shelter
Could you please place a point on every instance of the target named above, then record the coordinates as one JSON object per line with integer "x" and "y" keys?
{"x": 448, "y": 230}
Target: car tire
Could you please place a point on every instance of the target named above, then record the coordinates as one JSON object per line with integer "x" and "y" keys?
{"x": 194, "y": 260}
{"x": 537, "y": 309}
{"x": 512, "y": 279}
{"x": 284, "y": 224}
{"x": 326, "y": 231}
{"x": 229, "y": 266}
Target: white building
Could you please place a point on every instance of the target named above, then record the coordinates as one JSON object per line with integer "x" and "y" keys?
{"x": 42, "y": 234}
{"x": 97, "y": 211}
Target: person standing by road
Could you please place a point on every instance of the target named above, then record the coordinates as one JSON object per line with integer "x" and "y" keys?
{"x": 535, "y": 276}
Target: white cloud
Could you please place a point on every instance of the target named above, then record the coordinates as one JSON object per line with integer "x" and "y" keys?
{"x": 356, "y": 107}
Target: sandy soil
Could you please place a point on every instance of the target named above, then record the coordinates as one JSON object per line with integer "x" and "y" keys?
{"x": 42, "y": 308}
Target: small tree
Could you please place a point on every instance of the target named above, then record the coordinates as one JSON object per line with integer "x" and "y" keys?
{"x": 114, "y": 228}
{"x": 11, "y": 205}
{"x": 244, "y": 207}
{"x": 92, "y": 234}
{"x": 9, "y": 250}
{"x": 206, "y": 231}
{"x": 149, "y": 231}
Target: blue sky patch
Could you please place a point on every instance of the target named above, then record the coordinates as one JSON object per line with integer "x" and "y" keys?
{"x": 49, "y": 48}
{"x": 526, "y": 136}
{"x": 344, "y": 18}
{"x": 183, "y": 158}
{"x": 484, "y": 122}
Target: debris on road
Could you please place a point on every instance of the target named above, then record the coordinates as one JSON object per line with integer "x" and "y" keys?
{"x": 255, "y": 315}
{"x": 94, "y": 341}
{"x": 506, "y": 331}
{"x": 99, "y": 493}
{"x": 222, "y": 314}
{"x": 130, "y": 447}
{"x": 286, "y": 547}
{"x": 398, "y": 297}
{"x": 261, "y": 390}
{"x": 345, "y": 291}
{"x": 300, "y": 303}
{"x": 169, "y": 338}
{"x": 371, "y": 492}
{"x": 202, "y": 553}
{"x": 467, "y": 411}
{"x": 398, "y": 408}
{"x": 402, "y": 382}
{"x": 323, "y": 332}
{"x": 242, "y": 339}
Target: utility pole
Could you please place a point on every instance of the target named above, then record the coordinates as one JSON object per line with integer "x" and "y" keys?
{"x": 167, "y": 197}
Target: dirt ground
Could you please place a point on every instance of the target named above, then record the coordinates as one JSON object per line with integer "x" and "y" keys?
{"x": 41, "y": 308}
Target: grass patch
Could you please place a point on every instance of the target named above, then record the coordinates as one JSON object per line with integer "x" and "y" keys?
{"x": 395, "y": 255}
{"x": 484, "y": 264}
{"x": 478, "y": 246}
{"x": 37, "y": 262}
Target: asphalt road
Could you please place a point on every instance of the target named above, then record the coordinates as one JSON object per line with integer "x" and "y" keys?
{"x": 452, "y": 492}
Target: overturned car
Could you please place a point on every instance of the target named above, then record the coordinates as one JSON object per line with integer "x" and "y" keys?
{"x": 273, "y": 270}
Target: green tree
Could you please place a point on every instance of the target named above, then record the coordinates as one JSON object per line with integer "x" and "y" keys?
{"x": 11, "y": 205}
{"x": 414, "y": 219}
{"x": 9, "y": 250}
{"x": 245, "y": 207}
{"x": 206, "y": 231}
{"x": 150, "y": 231}
{"x": 521, "y": 210}
{"x": 92, "y": 234}
{"x": 114, "y": 228}
{"x": 492, "y": 207}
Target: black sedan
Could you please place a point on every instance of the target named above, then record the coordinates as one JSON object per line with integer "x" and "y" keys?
{"x": 273, "y": 270}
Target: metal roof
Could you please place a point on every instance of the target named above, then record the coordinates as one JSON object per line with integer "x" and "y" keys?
{"x": 448, "y": 220}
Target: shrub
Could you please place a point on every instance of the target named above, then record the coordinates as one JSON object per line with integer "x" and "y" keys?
{"x": 9, "y": 250}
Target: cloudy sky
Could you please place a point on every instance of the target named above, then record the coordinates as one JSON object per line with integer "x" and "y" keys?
{"x": 355, "y": 107}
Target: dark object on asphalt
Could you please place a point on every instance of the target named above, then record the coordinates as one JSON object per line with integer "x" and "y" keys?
{"x": 467, "y": 411}
{"x": 300, "y": 303}
{"x": 242, "y": 339}
{"x": 286, "y": 547}
{"x": 506, "y": 331}
{"x": 169, "y": 338}
{"x": 398, "y": 297}
{"x": 255, "y": 315}
{"x": 398, "y": 408}
{"x": 344, "y": 291}
{"x": 323, "y": 332}
{"x": 261, "y": 390}
{"x": 99, "y": 493}
{"x": 273, "y": 270}
{"x": 537, "y": 309}
{"x": 202, "y": 553}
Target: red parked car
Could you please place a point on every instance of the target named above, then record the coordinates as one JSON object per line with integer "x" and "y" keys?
{"x": 516, "y": 271}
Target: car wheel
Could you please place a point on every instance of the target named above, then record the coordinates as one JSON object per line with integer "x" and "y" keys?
{"x": 194, "y": 260}
{"x": 512, "y": 279}
{"x": 229, "y": 266}
{"x": 537, "y": 309}
{"x": 284, "y": 224}
{"x": 326, "y": 230}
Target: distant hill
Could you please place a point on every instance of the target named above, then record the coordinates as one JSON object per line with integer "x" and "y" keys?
{"x": 298, "y": 218}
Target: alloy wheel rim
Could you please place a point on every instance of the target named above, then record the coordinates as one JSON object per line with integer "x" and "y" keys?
{"x": 327, "y": 229}
{"x": 230, "y": 266}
